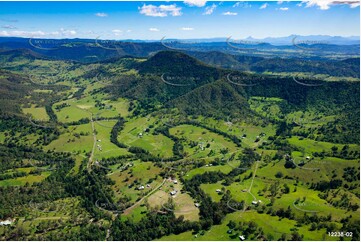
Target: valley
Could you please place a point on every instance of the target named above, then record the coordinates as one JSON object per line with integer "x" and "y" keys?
{"x": 107, "y": 150}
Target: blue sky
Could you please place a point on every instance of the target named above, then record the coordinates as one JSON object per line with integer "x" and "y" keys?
{"x": 179, "y": 19}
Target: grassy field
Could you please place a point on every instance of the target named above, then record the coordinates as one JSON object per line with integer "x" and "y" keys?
{"x": 311, "y": 146}
{"x": 105, "y": 148}
{"x": 37, "y": 113}
{"x": 272, "y": 227}
{"x": 2, "y": 137}
{"x": 184, "y": 204}
{"x": 139, "y": 174}
{"x": 242, "y": 129}
{"x": 72, "y": 140}
{"x": 21, "y": 181}
{"x": 134, "y": 134}
{"x": 206, "y": 141}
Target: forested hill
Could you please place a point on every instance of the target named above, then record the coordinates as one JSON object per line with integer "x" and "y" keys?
{"x": 345, "y": 68}
{"x": 177, "y": 63}
{"x": 178, "y": 80}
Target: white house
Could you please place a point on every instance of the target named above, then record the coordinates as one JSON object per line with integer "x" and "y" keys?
{"x": 241, "y": 237}
{"x": 6, "y": 222}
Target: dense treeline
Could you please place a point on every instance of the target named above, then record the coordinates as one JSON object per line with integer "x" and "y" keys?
{"x": 14, "y": 201}
{"x": 115, "y": 131}
{"x": 346, "y": 68}
{"x": 330, "y": 98}
{"x": 233, "y": 138}
{"x": 154, "y": 225}
{"x": 14, "y": 124}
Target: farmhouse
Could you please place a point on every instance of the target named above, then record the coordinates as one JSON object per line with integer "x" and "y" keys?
{"x": 218, "y": 190}
{"x": 241, "y": 237}
{"x": 254, "y": 202}
{"x": 173, "y": 193}
{"x": 6, "y": 222}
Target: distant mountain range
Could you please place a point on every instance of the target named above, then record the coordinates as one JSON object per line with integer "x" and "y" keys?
{"x": 215, "y": 50}
{"x": 288, "y": 40}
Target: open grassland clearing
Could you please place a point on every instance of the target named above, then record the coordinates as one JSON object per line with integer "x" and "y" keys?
{"x": 201, "y": 142}
{"x": 105, "y": 148}
{"x": 21, "y": 181}
{"x": 2, "y": 137}
{"x": 70, "y": 113}
{"x": 131, "y": 182}
{"x": 272, "y": 226}
{"x": 309, "y": 202}
{"x": 313, "y": 171}
{"x": 183, "y": 204}
{"x": 308, "y": 119}
{"x": 311, "y": 146}
{"x": 267, "y": 107}
{"x": 75, "y": 109}
{"x": 52, "y": 215}
{"x": 76, "y": 138}
{"x": 37, "y": 113}
{"x": 251, "y": 134}
{"x": 138, "y": 133}
{"x": 200, "y": 170}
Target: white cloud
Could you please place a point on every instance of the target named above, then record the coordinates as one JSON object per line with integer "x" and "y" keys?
{"x": 236, "y": 4}
{"x": 197, "y": 3}
{"x": 117, "y": 32}
{"x": 8, "y": 27}
{"x": 210, "y": 9}
{"x": 326, "y": 4}
{"x": 229, "y": 13}
{"x": 279, "y": 2}
{"x": 66, "y": 32}
{"x": 160, "y": 11}
{"x": 355, "y": 5}
{"x": 187, "y": 29}
{"x": 322, "y": 4}
{"x": 101, "y": 15}
{"x": 264, "y": 6}
{"x": 283, "y": 9}
{"x": 19, "y": 33}
{"x": 154, "y": 29}
{"x": 33, "y": 34}
{"x": 242, "y": 5}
